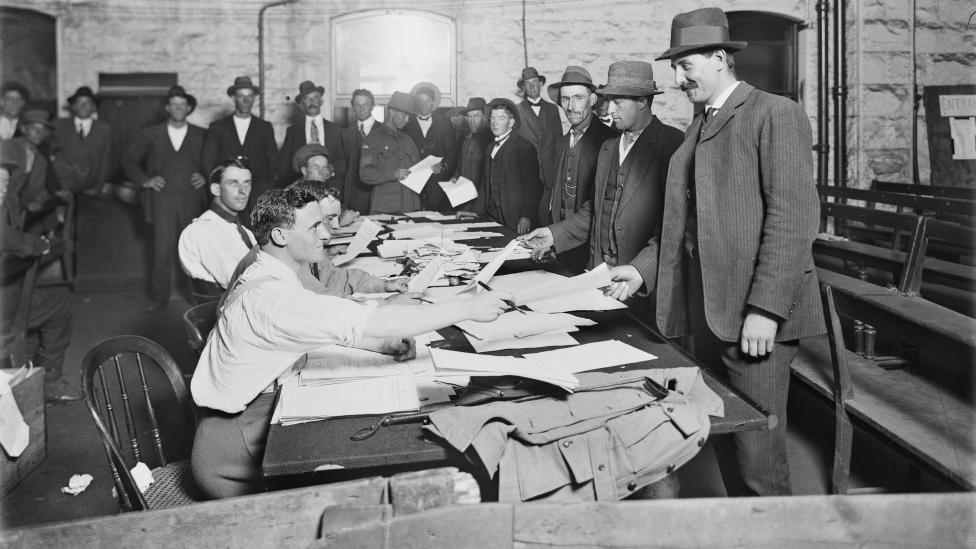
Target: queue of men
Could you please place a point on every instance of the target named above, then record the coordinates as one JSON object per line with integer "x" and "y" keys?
{"x": 708, "y": 233}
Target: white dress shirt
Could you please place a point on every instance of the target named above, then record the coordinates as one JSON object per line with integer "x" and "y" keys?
{"x": 263, "y": 331}
{"x": 499, "y": 141}
{"x": 211, "y": 247}
{"x": 241, "y": 124}
{"x": 425, "y": 124}
{"x": 177, "y": 135}
{"x": 320, "y": 124}
{"x": 624, "y": 147}
{"x": 8, "y": 127}
{"x": 722, "y": 97}
{"x": 83, "y": 126}
{"x": 536, "y": 105}
{"x": 366, "y": 126}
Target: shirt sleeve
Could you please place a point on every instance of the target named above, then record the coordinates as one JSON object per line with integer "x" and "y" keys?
{"x": 302, "y": 320}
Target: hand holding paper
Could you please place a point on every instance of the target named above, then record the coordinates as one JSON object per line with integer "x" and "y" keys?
{"x": 460, "y": 191}
{"x": 420, "y": 173}
{"x": 366, "y": 233}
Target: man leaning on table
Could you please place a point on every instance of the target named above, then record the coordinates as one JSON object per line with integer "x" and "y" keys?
{"x": 269, "y": 321}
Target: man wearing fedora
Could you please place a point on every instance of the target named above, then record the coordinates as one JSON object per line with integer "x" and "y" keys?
{"x": 576, "y": 155}
{"x": 386, "y": 157}
{"x": 736, "y": 268}
{"x": 242, "y": 134}
{"x": 34, "y": 181}
{"x": 510, "y": 187}
{"x": 474, "y": 148}
{"x": 434, "y": 136}
{"x": 311, "y": 128}
{"x": 81, "y": 145}
{"x": 165, "y": 160}
{"x": 539, "y": 123}
{"x": 622, "y": 221}
{"x": 355, "y": 193}
{"x": 13, "y": 98}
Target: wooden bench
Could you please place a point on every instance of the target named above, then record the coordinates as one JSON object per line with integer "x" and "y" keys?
{"x": 961, "y": 193}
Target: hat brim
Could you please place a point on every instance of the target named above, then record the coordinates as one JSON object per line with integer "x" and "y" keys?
{"x": 257, "y": 91}
{"x": 676, "y": 51}
{"x": 520, "y": 83}
{"x": 553, "y": 88}
{"x": 628, "y": 91}
{"x": 190, "y": 100}
{"x": 95, "y": 99}
{"x": 319, "y": 89}
{"x": 431, "y": 85}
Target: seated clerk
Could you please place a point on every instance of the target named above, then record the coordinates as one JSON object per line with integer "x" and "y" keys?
{"x": 324, "y": 277}
{"x": 213, "y": 244}
{"x": 269, "y": 321}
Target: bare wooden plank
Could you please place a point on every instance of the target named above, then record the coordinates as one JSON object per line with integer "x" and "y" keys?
{"x": 914, "y": 201}
{"x": 965, "y": 193}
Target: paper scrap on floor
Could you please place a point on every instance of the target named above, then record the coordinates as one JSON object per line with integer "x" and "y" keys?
{"x": 454, "y": 363}
{"x": 376, "y": 266}
{"x": 360, "y": 243}
{"x": 420, "y": 173}
{"x": 588, "y": 300}
{"x": 460, "y": 191}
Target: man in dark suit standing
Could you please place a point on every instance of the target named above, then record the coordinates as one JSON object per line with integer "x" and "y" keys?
{"x": 434, "y": 136}
{"x": 539, "y": 123}
{"x": 510, "y": 187}
{"x": 740, "y": 215}
{"x": 623, "y": 220}
{"x": 242, "y": 134}
{"x": 474, "y": 149}
{"x": 81, "y": 146}
{"x": 311, "y": 128}
{"x": 355, "y": 193}
{"x": 165, "y": 160}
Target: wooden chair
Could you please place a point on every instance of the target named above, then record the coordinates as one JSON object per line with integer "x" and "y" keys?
{"x": 199, "y": 320}
{"x": 843, "y": 392}
{"x": 138, "y": 362}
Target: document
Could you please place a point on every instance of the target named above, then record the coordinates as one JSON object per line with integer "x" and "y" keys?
{"x": 376, "y": 266}
{"x": 431, "y": 215}
{"x": 596, "y": 278}
{"x": 423, "y": 279}
{"x": 557, "y": 338}
{"x": 373, "y": 396}
{"x": 519, "y": 253}
{"x": 397, "y": 248}
{"x": 360, "y": 243}
{"x": 523, "y": 324}
{"x": 454, "y": 363}
{"x": 588, "y": 300}
{"x": 420, "y": 173}
{"x": 460, "y": 191}
{"x": 474, "y": 235}
{"x": 475, "y": 225}
{"x": 336, "y": 364}
{"x": 592, "y": 356}
{"x": 492, "y": 267}
{"x": 423, "y": 231}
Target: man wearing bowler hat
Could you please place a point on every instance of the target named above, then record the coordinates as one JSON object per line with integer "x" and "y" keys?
{"x": 623, "y": 220}
{"x": 386, "y": 157}
{"x": 539, "y": 123}
{"x": 242, "y": 134}
{"x": 740, "y": 215}
{"x": 165, "y": 160}
{"x": 434, "y": 136}
{"x": 81, "y": 145}
{"x": 311, "y": 128}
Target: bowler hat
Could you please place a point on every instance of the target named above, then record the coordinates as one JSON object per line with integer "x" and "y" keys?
{"x": 474, "y": 104}
{"x": 421, "y": 86}
{"x": 527, "y": 73}
{"x": 178, "y": 91}
{"x": 700, "y": 29}
{"x": 84, "y": 91}
{"x": 508, "y": 103}
{"x": 304, "y": 153}
{"x": 243, "y": 83}
{"x": 572, "y": 76}
{"x": 306, "y": 88}
{"x": 402, "y": 102}
{"x": 36, "y": 116}
{"x": 630, "y": 78}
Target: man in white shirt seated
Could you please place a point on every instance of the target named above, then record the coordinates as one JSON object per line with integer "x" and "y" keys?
{"x": 212, "y": 245}
{"x": 269, "y": 321}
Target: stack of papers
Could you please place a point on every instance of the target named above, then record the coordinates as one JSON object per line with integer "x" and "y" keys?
{"x": 529, "y": 284}
{"x": 457, "y": 366}
{"x": 523, "y": 324}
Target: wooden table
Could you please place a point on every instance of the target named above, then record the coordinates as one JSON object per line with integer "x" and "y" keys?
{"x": 326, "y": 445}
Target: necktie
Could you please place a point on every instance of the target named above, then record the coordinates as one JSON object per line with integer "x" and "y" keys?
{"x": 81, "y": 131}
{"x": 574, "y": 137}
{"x": 707, "y": 116}
{"x": 315, "y": 133}
{"x": 498, "y": 145}
{"x": 629, "y": 139}
{"x": 231, "y": 218}
{"x": 362, "y": 130}
{"x": 423, "y": 118}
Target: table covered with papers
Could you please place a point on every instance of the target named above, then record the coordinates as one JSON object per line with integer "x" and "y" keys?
{"x": 561, "y": 326}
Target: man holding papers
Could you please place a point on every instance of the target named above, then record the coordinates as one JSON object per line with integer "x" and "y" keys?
{"x": 269, "y": 321}
{"x": 386, "y": 157}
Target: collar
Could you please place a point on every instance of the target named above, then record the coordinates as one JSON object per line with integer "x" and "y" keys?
{"x": 181, "y": 129}
{"x": 502, "y": 138}
{"x": 368, "y": 123}
{"x": 722, "y": 97}
{"x": 424, "y": 118}
{"x": 240, "y": 118}
{"x": 584, "y": 126}
{"x": 85, "y": 121}
{"x": 534, "y": 102}
{"x": 272, "y": 266}
{"x": 318, "y": 118}
{"x": 223, "y": 214}
{"x": 634, "y": 135}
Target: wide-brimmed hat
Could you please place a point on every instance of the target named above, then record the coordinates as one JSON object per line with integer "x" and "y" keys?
{"x": 428, "y": 85}
{"x": 178, "y": 91}
{"x": 306, "y": 88}
{"x": 402, "y": 102}
{"x": 630, "y": 78}
{"x": 305, "y": 152}
{"x": 17, "y": 87}
{"x": 700, "y": 29}
{"x": 573, "y": 76}
{"x": 242, "y": 83}
{"x": 502, "y": 101}
{"x": 474, "y": 104}
{"x": 527, "y": 73}
{"x": 84, "y": 91}
{"x": 36, "y": 116}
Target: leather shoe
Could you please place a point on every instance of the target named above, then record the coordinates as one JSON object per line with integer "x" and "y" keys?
{"x": 59, "y": 391}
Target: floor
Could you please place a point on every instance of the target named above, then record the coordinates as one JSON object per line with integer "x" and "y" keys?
{"x": 73, "y": 445}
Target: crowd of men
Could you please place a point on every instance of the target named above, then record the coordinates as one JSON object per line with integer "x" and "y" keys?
{"x": 707, "y": 233}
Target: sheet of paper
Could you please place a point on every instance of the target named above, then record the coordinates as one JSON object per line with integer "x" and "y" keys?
{"x": 431, "y": 215}
{"x": 376, "y": 266}
{"x": 382, "y": 218}
{"x": 596, "y": 278}
{"x": 592, "y": 356}
{"x": 454, "y": 363}
{"x": 489, "y": 270}
{"x": 475, "y": 225}
{"x": 335, "y": 363}
{"x": 340, "y": 240}
{"x": 519, "y": 253}
{"x": 360, "y": 243}
{"x": 424, "y": 231}
{"x": 422, "y": 280}
{"x": 519, "y": 324}
{"x": 460, "y": 191}
{"x": 373, "y": 396}
{"x": 473, "y": 235}
{"x": 551, "y": 339}
{"x": 420, "y": 173}
{"x": 589, "y": 300}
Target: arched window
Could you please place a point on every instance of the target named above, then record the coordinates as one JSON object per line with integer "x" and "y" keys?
{"x": 770, "y": 63}
{"x": 391, "y": 50}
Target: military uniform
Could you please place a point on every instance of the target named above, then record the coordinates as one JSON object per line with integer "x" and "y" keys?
{"x": 383, "y": 153}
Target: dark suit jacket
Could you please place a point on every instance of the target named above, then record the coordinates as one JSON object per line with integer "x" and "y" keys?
{"x": 520, "y": 188}
{"x": 259, "y": 147}
{"x": 152, "y": 154}
{"x": 355, "y": 193}
{"x": 543, "y": 131}
{"x": 82, "y": 163}
{"x": 440, "y": 141}
{"x": 758, "y": 213}
{"x": 641, "y": 202}
{"x": 588, "y": 150}
{"x": 295, "y": 139}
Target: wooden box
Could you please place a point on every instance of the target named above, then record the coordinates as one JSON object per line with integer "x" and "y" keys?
{"x": 28, "y": 392}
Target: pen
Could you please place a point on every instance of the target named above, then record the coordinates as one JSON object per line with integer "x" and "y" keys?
{"x": 508, "y": 302}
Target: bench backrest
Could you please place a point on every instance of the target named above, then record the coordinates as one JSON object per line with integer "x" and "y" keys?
{"x": 965, "y": 193}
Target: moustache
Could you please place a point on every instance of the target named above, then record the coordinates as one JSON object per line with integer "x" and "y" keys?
{"x": 685, "y": 86}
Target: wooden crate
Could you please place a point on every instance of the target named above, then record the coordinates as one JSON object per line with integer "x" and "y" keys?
{"x": 29, "y": 394}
